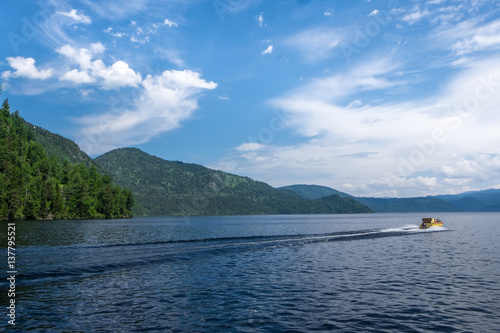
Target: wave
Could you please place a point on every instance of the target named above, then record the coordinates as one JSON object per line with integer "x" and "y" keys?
{"x": 75, "y": 262}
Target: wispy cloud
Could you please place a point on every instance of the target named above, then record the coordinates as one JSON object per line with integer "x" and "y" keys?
{"x": 79, "y": 18}
{"x": 392, "y": 143}
{"x": 260, "y": 19}
{"x": 172, "y": 56}
{"x": 329, "y": 12}
{"x": 118, "y": 9}
{"x": 415, "y": 15}
{"x": 478, "y": 38}
{"x": 314, "y": 44}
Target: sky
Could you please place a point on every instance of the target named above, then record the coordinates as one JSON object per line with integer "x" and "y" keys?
{"x": 375, "y": 98}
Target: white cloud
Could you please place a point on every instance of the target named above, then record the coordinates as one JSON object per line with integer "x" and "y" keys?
{"x": 118, "y": 75}
{"x": 77, "y": 77}
{"x": 165, "y": 101}
{"x": 314, "y": 44}
{"x": 435, "y": 2}
{"x": 478, "y": 38}
{"x": 25, "y": 67}
{"x": 329, "y": 12}
{"x": 170, "y": 23}
{"x": 249, "y": 146}
{"x": 407, "y": 148}
{"x": 109, "y": 30}
{"x": 79, "y": 18}
{"x": 268, "y": 50}
{"x": 118, "y": 9}
{"x": 86, "y": 92}
{"x": 260, "y": 19}
{"x": 167, "y": 22}
{"x": 140, "y": 41}
{"x": 374, "y": 12}
{"x": 234, "y": 7}
{"x": 416, "y": 15}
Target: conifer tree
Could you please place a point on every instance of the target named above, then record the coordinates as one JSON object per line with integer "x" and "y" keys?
{"x": 36, "y": 186}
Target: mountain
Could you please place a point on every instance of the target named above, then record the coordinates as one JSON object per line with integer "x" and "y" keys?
{"x": 163, "y": 187}
{"x": 313, "y": 191}
{"x": 59, "y": 146}
{"x": 34, "y": 185}
{"x": 474, "y": 201}
{"x": 407, "y": 205}
{"x": 400, "y": 205}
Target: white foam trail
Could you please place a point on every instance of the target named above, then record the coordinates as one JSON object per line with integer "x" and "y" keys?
{"x": 408, "y": 227}
{"x": 413, "y": 228}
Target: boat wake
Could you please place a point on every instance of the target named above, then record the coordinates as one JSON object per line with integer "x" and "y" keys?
{"x": 66, "y": 261}
{"x": 413, "y": 228}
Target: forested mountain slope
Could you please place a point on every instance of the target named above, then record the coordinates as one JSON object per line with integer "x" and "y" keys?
{"x": 163, "y": 187}
{"x": 36, "y": 186}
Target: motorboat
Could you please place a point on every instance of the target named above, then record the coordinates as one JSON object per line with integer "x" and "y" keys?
{"x": 428, "y": 222}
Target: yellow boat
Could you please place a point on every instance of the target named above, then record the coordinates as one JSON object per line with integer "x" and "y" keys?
{"x": 430, "y": 222}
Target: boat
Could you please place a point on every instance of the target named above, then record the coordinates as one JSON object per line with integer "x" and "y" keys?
{"x": 428, "y": 222}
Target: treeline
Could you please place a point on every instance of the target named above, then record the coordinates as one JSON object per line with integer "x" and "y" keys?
{"x": 36, "y": 186}
{"x": 163, "y": 187}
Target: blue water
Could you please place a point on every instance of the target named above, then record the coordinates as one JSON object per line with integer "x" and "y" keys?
{"x": 342, "y": 273}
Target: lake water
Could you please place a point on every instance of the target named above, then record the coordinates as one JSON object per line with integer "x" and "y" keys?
{"x": 299, "y": 273}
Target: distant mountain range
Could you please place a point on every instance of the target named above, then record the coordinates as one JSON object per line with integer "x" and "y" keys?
{"x": 163, "y": 187}
{"x": 473, "y": 201}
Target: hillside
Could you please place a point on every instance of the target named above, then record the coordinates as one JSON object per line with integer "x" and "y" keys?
{"x": 399, "y": 205}
{"x": 163, "y": 187}
{"x": 407, "y": 205}
{"x": 313, "y": 191}
{"x": 474, "y": 201}
{"x": 36, "y": 186}
{"x": 59, "y": 146}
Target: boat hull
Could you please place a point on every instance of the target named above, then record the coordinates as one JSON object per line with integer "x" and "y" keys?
{"x": 430, "y": 222}
{"x": 427, "y": 226}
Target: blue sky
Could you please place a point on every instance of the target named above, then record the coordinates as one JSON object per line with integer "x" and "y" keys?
{"x": 374, "y": 98}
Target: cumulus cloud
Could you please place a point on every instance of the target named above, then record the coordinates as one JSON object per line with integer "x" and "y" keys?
{"x": 77, "y": 77}
{"x": 164, "y": 102}
{"x": 118, "y": 75}
{"x": 25, "y": 67}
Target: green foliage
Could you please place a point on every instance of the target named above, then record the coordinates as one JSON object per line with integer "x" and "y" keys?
{"x": 174, "y": 188}
{"x": 36, "y": 186}
{"x": 313, "y": 191}
{"x": 56, "y": 145}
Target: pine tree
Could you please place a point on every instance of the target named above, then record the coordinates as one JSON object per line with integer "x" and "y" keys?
{"x": 36, "y": 186}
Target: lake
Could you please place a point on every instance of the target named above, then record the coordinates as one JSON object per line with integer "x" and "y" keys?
{"x": 287, "y": 273}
